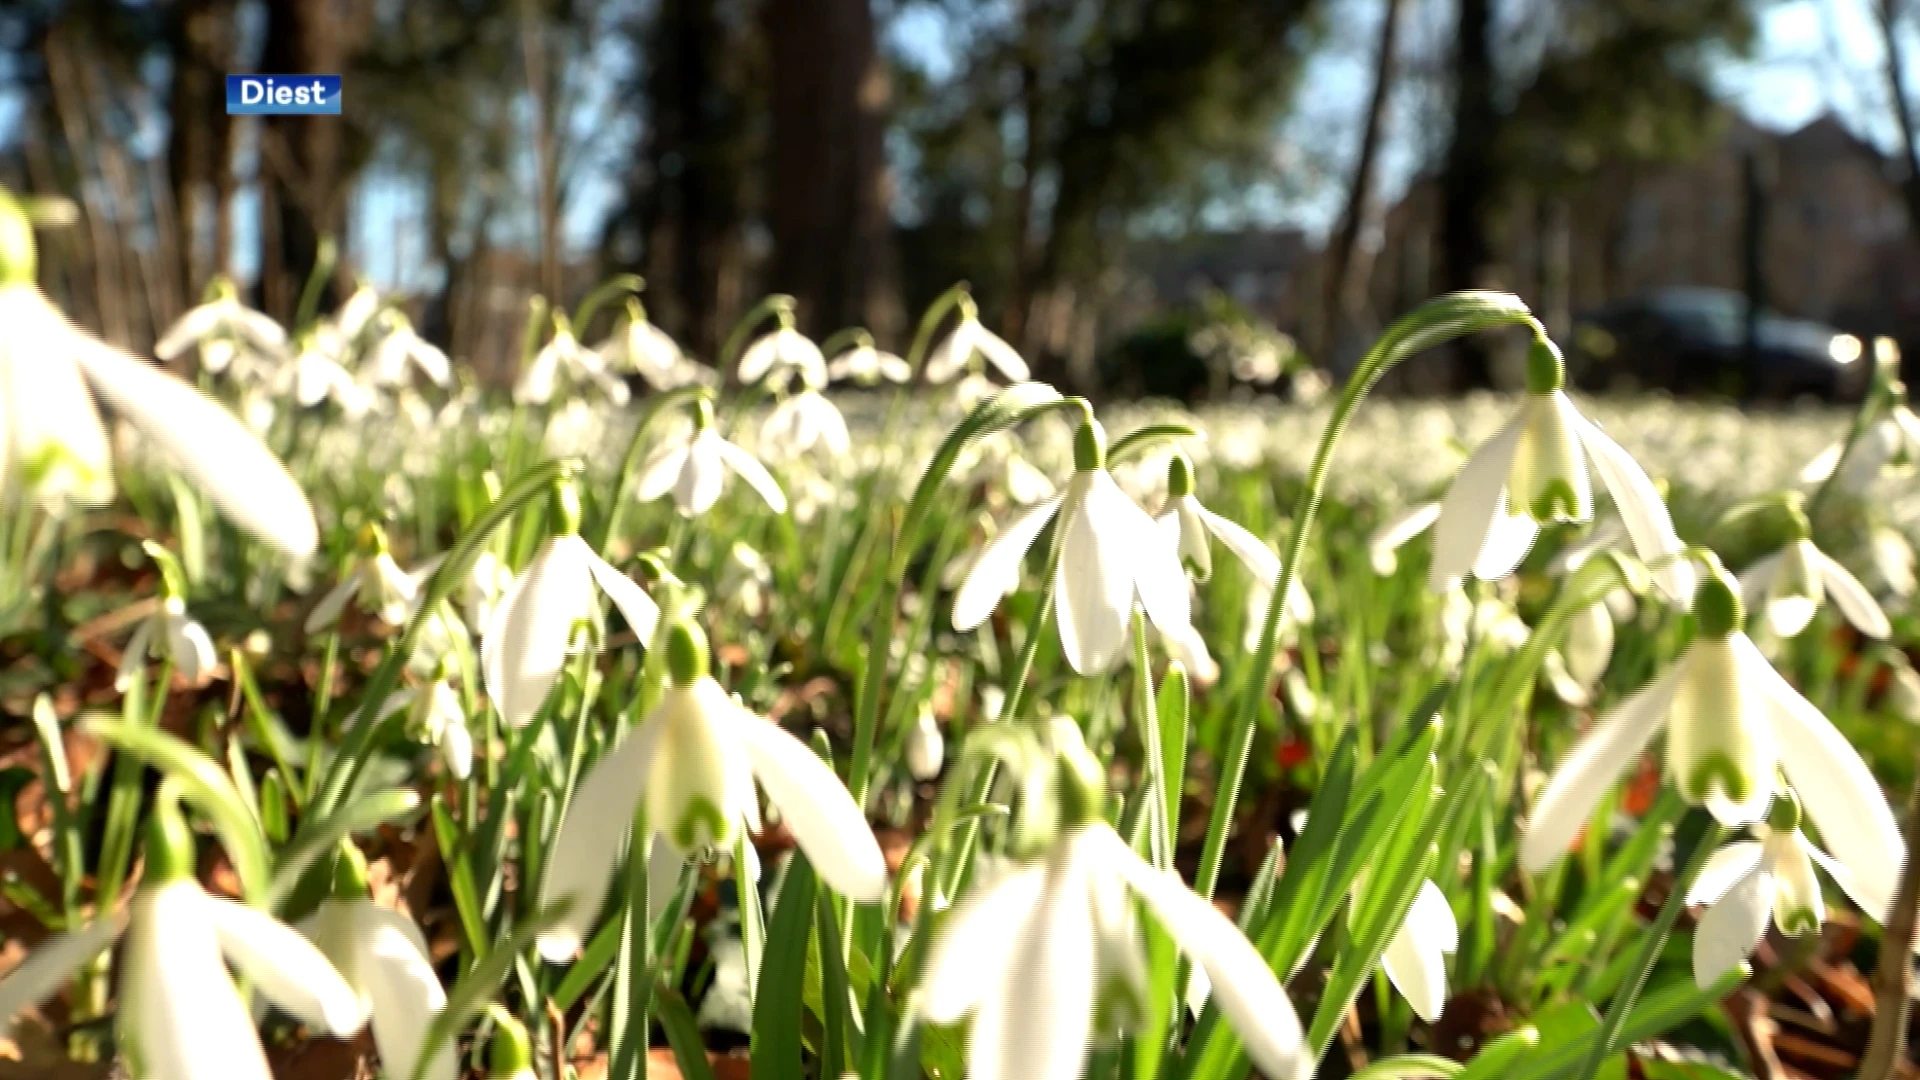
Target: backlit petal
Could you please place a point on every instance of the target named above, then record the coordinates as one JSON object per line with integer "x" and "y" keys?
{"x": 1093, "y": 587}
{"x": 1852, "y": 598}
{"x": 598, "y": 822}
{"x": 1467, "y": 513}
{"x": 1648, "y": 523}
{"x": 527, "y": 645}
{"x": 1730, "y": 930}
{"x": 755, "y": 474}
{"x": 823, "y": 817}
{"x": 1592, "y": 767}
{"x": 1724, "y": 869}
{"x": 968, "y": 962}
{"x": 997, "y": 571}
{"x": 286, "y": 967}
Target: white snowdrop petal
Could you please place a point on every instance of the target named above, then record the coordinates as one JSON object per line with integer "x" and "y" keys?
{"x": 1835, "y": 786}
{"x": 188, "y": 329}
{"x": 1648, "y": 523}
{"x": 641, "y": 613}
{"x": 1418, "y": 971}
{"x": 748, "y": 468}
{"x": 1592, "y": 767}
{"x": 61, "y": 433}
{"x": 704, "y": 476}
{"x": 662, "y": 472}
{"x": 403, "y": 990}
{"x": 1241, "y": 983}
{"x": 759, "y": 358}
{"x": 1157, "y": 575}
{"x": 1093, "y": 586}
{"x": 1467, "y": 513}
{"x": 53, "y": 962}
{"x": 1001, "y": 355}
{"x": 1039, "y": 1026}
{"x": 598, "y": 822}
{"x": 185, "y": 1017}
{"x": 1730, "y": 930}
{"x": 823, "y": 817}
{"x": 327, "y": 611}
{"x": 531, "y": 632}
{"x": 286, "y": 967}
{"x": 1756, "y": 581}
{"x": 1852, "y": 598}
{"x": 967, "y": 964}
{"x": 1509, "y": 537}
{"x": 1393, "y": 534}
{"x": 1248, "y": 548}
{"x": 997, "y": 571}
{"x": 190, "y": 649}
{"x": 206, "y": 442}
{"x": 1724, "y": 869}
{"x": 133, "y": 661}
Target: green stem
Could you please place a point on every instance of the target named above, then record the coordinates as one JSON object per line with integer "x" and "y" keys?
{"x": 603, "y": 294}
{"x": 1436, "y": 321}
{"x": 1862, "y": 419}
{"x": 1607, "y": 1039}
{"x": 1147, "y": 714}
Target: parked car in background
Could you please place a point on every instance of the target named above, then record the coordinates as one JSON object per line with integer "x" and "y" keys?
{"x": 1694, "y": 341}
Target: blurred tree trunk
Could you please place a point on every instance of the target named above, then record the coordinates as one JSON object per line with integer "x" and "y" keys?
{"x": 1469, "y": 180}
{"x": 199, "y": 137}
{"x": 1888, "y": 14}
{"x": 546, "y": 154}
{"x": 1345, "y": 280}
{"x": 829, "y": 190}
{"x": 1016, "y": 319}
{"x": 303, "y": 158}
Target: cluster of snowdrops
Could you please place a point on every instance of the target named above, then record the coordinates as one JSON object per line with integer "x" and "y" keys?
{"x": 584, "y": 769}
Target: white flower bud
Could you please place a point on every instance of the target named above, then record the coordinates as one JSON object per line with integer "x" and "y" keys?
{"x": 926, "y": 747}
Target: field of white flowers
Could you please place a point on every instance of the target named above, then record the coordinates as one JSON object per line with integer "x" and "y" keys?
{"x": 821, "y": 712}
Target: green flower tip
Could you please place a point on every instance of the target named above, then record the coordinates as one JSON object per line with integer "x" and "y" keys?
{"x": 1784, "y": 815}
{"x": 566, "y": 505}
{"x": 1717, "y": 605}
{"x": 701, "y": 826}
{"x": 1179, "y": 476}
{"x": 170, "y": 847}
{"x": 702, "y": 409}
{"x": 1089, "y": 446}
{"x": 19, "y": 259}
{"x": 1719, "y": 771}
{"x": 1546, "y": 369}
{"x": 1798, "y": 922}
{"x": 511, "y": 1054}
{"x": 688, "y": 656}
{"x": 1555, "y": 502}
{"x": 349, "y": 873}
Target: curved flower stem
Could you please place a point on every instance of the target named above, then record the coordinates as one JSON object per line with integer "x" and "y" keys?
{"x": 1146, "y": 712}
{"x": 1440, "y": 319}
{"x": 736, "y": 342}
{"x": 1887, "y": 1045}
{"x": 602, "y": 295}
{"x": 630, "y": 461}
{"x": 1607, "y": 1039}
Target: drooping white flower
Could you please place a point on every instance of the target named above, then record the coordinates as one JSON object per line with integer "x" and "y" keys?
{"x": 179, "y": 1012}
{"x": 1787, "y": 587}
{"x": 1732, "y": 723}
{"x": 1192, "y": 528}
{"x": 648, "y": 351}
{"x": 53, "y": 444}
{"x": 1889, "y": 447}
{"x": 357, "y": 313}
{"x": 532, "y": 630}
{"x": 694, "y": 761}
{"x": 317, "y": 376}
{"x": 401, "y": 347}
{"x": 1030, "y": 955}
{"x": 384, "y": 959}
{"x": 926, "y": 746}
{"x": 1533, "y": 472}
{"x": 695, "y": 469}
{"x": 1416, "y": 956}
{"x": 1112, "y": 554}
{"x": 377, "y": 582}
{"x": 784, "y": 348}
{"x": 869, "y": 366}
{"x": 484, "y": 587}
{"x": 1576, "y": 667}
{"x": 1893, "y": 560}
{"x": 169, "y": 634}
{"x": 1383, "y": 547}
{"x": 564, "y": 355}
{"x": 954, "y": 355}
{"x": 806, "y": 421}
{"x": 434, "y": 715}
{"x": 1747, "y": 882}
{"x": 222, "y": 327}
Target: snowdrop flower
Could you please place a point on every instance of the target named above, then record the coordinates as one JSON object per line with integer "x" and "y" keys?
{"x": 1576, "y": 667}
{"x": 221, "y": 327}
{"x": 926, "y": 747}
{"x": 52, "y": 441}
{"x": 564, "y": 355}
{"x": 316, "y": 376}
{"x": 1889, "y": 447}
{"x": 179, "y": 1011}
{"x": 646, "y": 350}
{"x": 170, "y": 635}
{"x": 1416, "y": 957}
{"x": 357, "y": 313}
{"x": 954, "y": 355}
{"x": 532, "y": 630}
{"x": 1032, "y": 955}
{"x": 806, "y": 421}
{"x": 1538, "y": 463}
{"x": 1383, "y": 547}
{"x": 1746, "y": 882}
{"x": 1111, "y": 554}
{"x": 784, "y": 348}
{"x": 1731, "y": 722}
{"x": 1893, "y": 560}
{"x": 1788, "y": 586}
{"x": 695, "y": 469}
{"x": 384, "y": 959}
{"x": 486, "y": 584}
{"x": 435, "y": 716}
{"x": 399, "y": 348}
{"x": 694, "y": 762}
{"x": 1191, "y": 528}
{"x": 1903, "y": 689}
{"x": 383, "y": 589}
{"x": 868, "y": 366}
{"x": 1001, "y": 464}
{"x": 1299, "y": 613}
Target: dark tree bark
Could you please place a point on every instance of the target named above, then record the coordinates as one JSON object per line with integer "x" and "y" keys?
{"x": 1470, "y": 180}
{"x": 1345, "y": 282}
{"x": 829, "y": 188}
{"x": 199, "y": 137}
{"x": 303, "y": 160}
{"x": 1887, "y": 14}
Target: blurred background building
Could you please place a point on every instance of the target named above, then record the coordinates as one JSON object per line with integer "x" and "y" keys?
{"x": 1706, "y": 195}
